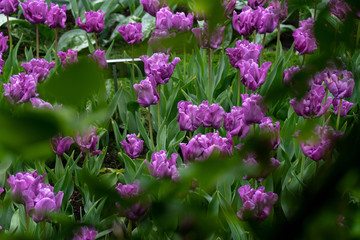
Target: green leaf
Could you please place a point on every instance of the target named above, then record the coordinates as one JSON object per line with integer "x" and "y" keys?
{"x": 90, "y": 43}
{"x": 143, "y": 132}
{"x": 74, "y": 8}
{"x": 75, "y": 39}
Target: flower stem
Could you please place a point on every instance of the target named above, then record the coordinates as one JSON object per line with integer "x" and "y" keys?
{"x": 358, "y": 35}
{"x": 133, "y": 65}
{"x": 9, "y": 30}
{"x": 56, "y": 41}
{"x": 130, "y": 228}
{"x": 27, "y": 219}
{"x": 37, "y": 40}
{"x": 185, "y": 61}
{"x": 209, "y": 75}
{"x": 302, "y": 168}
{"x": 254, "y": 36}
{"x": 190, "y": 133}
{"x": 159, "y": 108}
{"x": 44, "y": 228}
{"x": 239, "y": 90}
{"x": 303, "y": 62}
{"x": 315, "y": 8}
{"x": 278, "y": 42}
{"x": 338, "y": 116}
{"x": 96, "y": 41}
{"x": 150, "y": 128}
{"x": 262, "y": 52}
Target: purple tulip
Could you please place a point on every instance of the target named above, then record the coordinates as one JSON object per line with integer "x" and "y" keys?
{"x": 157, "y": 38}
{"x": 56, "y": 16}
{"x": 3, "y": 43}
{"x": 288, "y": 74}
{"x": 157, "y": 66}
{"x": 94, "y": 21}
{"x": 163, "y": 19}
{"x": 259, "y": 169}
{"x": 267, "y": 127}
{"x": 129, "y": 191}
{"x": 24, "y": 186}
{"x": 266, "y": 21}
{"x": 340, "y": 83}
{"x": 243, "y": 51}
{"x": 146, "y": 92}
{"x": 245, "y": 22}
{"x": 200, "y": 147}
{"x": 211, "y": 115}
{"x": 253, "y": 108}
{"x": 39, "y": 103}
{"x": 99, "y": 57}
{"x": 254, "y": 4}
{"x": 310, "y": 106}
{"x": 280, "y": 8}
{"x": 152, "y": 6}
{"x": 39, "y": 68}
{"x": 182, "y": 23}
{"x": 35, "y": 11}
{"x": 21, "y": 88}
{"x": 256, "y": 203}
{"x": 189, "y": 118}
{"x": 321, "y": 144}
{"x": 131, "y": 32}
{"x": 88, "y": 141}
{"x": 1, "y": 64}
{"x": 207, "y": 39}
{"x": 8, "y": 7}
{"x": 345, "y": 107}
{"x": 85, "y": 233}
{"x": 1, "y": 191}
{"x": 339, "y": 8}
{"x": 305, "y": 41}
{"x": 69, "y": 57}
{"x": 160, "y": 167}
{"x": 229, "y": 7}
{"x": 133, "y": 146}
{"x": 234, "y": 123}
{"x": 60, "y": 145}
{"x": 45, "y": 202}
{"x": 253, "y": 76}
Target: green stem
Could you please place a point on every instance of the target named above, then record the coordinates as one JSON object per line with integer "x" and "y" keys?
{"x": 133, "y": 65}
{"x": 302, "y": 168}
{"x": 239, "y": 90}
{"x": 185, "y": 61}
{"x": 190, "y": 134}
{"x": 159, "y": 108}
{"x": 278, "y": 42}
{"x": 37, "y": 40}
{"x": 56, "y": 41}
{"x": 209, "y": 74}
{"x": 316, "y": 167}
{"x": 44, "y": 229}
{"x": 315, "y": 8}
{"x": 9, "y": 30}
{"x": 303, "y": 62}
{"x": 358, "y": 35}
{"x": 254, "y": 36}
{"x": 262, "y": 52}
{"x": 338, "y": 116}
{"x": 150, "y": 128}
{"x": 27, "y": 219}
{"x": 253, "y": 183}
{"x": 130, "y": 228}
{"x": 96, "y": 41}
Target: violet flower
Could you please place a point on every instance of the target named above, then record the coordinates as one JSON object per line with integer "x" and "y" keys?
{"x": 160, "y": 167}
{"x": 339, "y": 8}
{"x": 133, "y": 146}
{"x": 69, "y": 57}
{"x": 288, "y": 74}
{"x": 131, "y": 32}
{"x": 3, "y": 43}
{"x": 321, "y": 144}
{"x": 56, "y": 16}
{"x": 99, "y": 57}
{"x": 243, "y": 51}
{"x": 1, "y": 191}
{"x": 245, "y": 22}
{"x": 8, "y": 7}
{"x": 256, "y": 203}
{"x": 94, "y": 21}
{"x": 182, "y": 23}
{"x": 229, "y": 7}
{"x": 234, "y": 123}
{"x": 152, "y": 6}
{"x": 305, "y": 41}
{"x": 88, "y": 141}
{"x": 163, "y": 19}
{"x": 272, "y": 130}
{"x": 200, "y": 147}
{"x": 39, "y": 68}
{"x": 254, "y": 4}
{"x": 253, "y": 76}
{"x": 345, "y": 107}
{"x": 85, "y": 233}
{"x": 211, "y": 115}
{"x": 340, "y": 83}
{"x": 208, "y": 39}
{"x": 259, "y": 169}
{"x": 60, "y": 145}
{"x": 21, "y": 88}
{"x": 1, "y": 64}
{"x": 280, "y": 8}
{"x": 35, "y": 11}
{"x": 189, "y": 118}
{"x": 158, "y": 67}
{"x": 39, "y": 103}
{"x": 266, "y": 21}
{"x": 128, "y": 191}
{"x": 253, "y": 108}
{"x": 146, "y": 92}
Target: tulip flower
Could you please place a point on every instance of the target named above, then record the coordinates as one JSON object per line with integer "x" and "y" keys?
{"x": 35, "y": 11}
{"x": 39, "y": 68}
{"x": 94, "y": 21}
{"x": 99, "y": 57}
{"x": 211, "y": 115}
{"x": 345, "y": 107}
{"x": 56, "y": 16}
{"x": 60, "y": 145}
{"x": 85, "y": 233}
{"x": 133, "y": 146}
{"x": 182, "y": 23}
{"x": 163, "y": 19}
{"x": 254, "y": 4}
{"x": 243, "y": 51}
{"x": 152, "y": 6}
{"x": 3, "y": 43}
{"x": 234, "y": 123}
{"x": 266, "y": 21}
{"x": 69, "y": 57}
{"x": 305, "y": 41}
{"x": 245, "y": 22}
{"x": 1, "y": 64}
{"x": 253, "y": 76}
{"x": 340, "y": 83}
{"x": 189, "y": 118}
{"x": 21, "y": 88}
{"x": 288, "y": 74}
{"x": 88, "y": 141}
{"x": 208, "y": 39}
{"x": 1, "y": 191}
{"x": 8, "y": 7}
{"x": 267, "y": 127}
{"x": 259, "y": 169}
{"x": 146, "y": 92}
{"x": 229, "y": 7}
{"x": 339, "y": 8}
{"x": 160, "y": 167}
{"x": 131, "y": 32}
{"x": 253, "y": 108}
{"x": 39, "y": 103}
{"x": 280, "y": 8}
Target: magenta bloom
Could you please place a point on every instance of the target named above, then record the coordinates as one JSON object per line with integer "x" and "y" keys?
{"x": 182, "y": 23}
{"x": 254, "y": 4}
{"x": 133, "y": 146}
{"x": 234, "y": 123}
{"x": 340, "y": 83}
{"x": 272, "y": 130}
{"x": 211, "y": 115}
{"x": 305, "y": 41}
{"x": 99, "y": 57}
{"x": 163, "y": 19}
{"x": 266, "y": 21}
{"x": 85, "y": 233}
{"x": 229, "y": 7}
{"x": 200, "y": 147}
{"x": 253, "y": 76}
{"x": 60, "y": 145}
{"x": 56, "y": 16}
{"x": 131, "y": 32}
{"x": 288, "y": 74}
{"x": 256, "y": 203}
{"x": 259, "y": 169}
{"x": 158, "y": 67}
{"x": 21, "y": 88}
{"x": 152, "y": 6}
{"x": 39, "y": 103}
{"x": 160, "y": 167}
{"x": 245, "y": 22}
{"x": 146, "y": 92}
{"x": 207, "y": 39}
{"x": 1, "y": 191}
{"x": 88, "y": 141}
{"x": 94, "y": 21}
{"x": 321, "y": 143}
{"x": 35, "y": 11}
{"x": 253, "y": 108}
{"x": 345, "y": 107}
{"x": 128, "y": 191}
{"x": 8, "y": 7}
{"x": 69, "y": 57}
{"x": 280, "y": 8}
{"x": 39, "y": 68}
{"x": 243, "y": 51}
{"x": 3, "y": 43}
{"x": 310, "y": 106}
{"x": 189, "y": 118}
{"x": 1, "y": 64}
{"x": 339, "y": 8}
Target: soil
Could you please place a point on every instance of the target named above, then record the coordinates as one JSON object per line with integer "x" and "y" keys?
{"x": 76, "y": 203}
